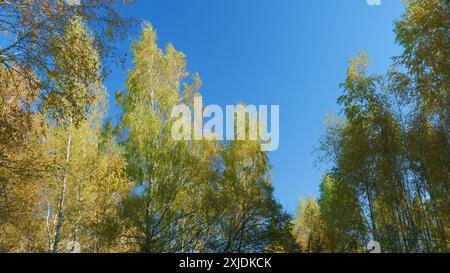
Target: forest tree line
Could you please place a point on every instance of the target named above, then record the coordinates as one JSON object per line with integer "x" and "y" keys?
{"x": 388, "y": 152}
{"x": 73, "y": 178}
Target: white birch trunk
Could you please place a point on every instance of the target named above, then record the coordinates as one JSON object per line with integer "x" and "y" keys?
{"x": 63, "y": 196}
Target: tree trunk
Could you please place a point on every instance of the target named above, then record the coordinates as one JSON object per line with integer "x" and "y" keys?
{"x": 63, "y": 195}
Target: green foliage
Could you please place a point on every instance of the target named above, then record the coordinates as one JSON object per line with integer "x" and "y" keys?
{"x": 189, "y": 196}
{"x": 76, "y": 74}
{"x": 308, "y": 226}
{"x": 389, "y": 176}
{"x": 71, "y": 181}
{"x": 69, "y": 177}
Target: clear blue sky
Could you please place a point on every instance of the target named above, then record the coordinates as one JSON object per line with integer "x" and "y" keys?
{"x": 292, "y": 53}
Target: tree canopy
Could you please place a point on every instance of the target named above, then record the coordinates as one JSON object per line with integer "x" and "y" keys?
{"x": 389, "y": 179}
{"x": 74, "y": 179}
